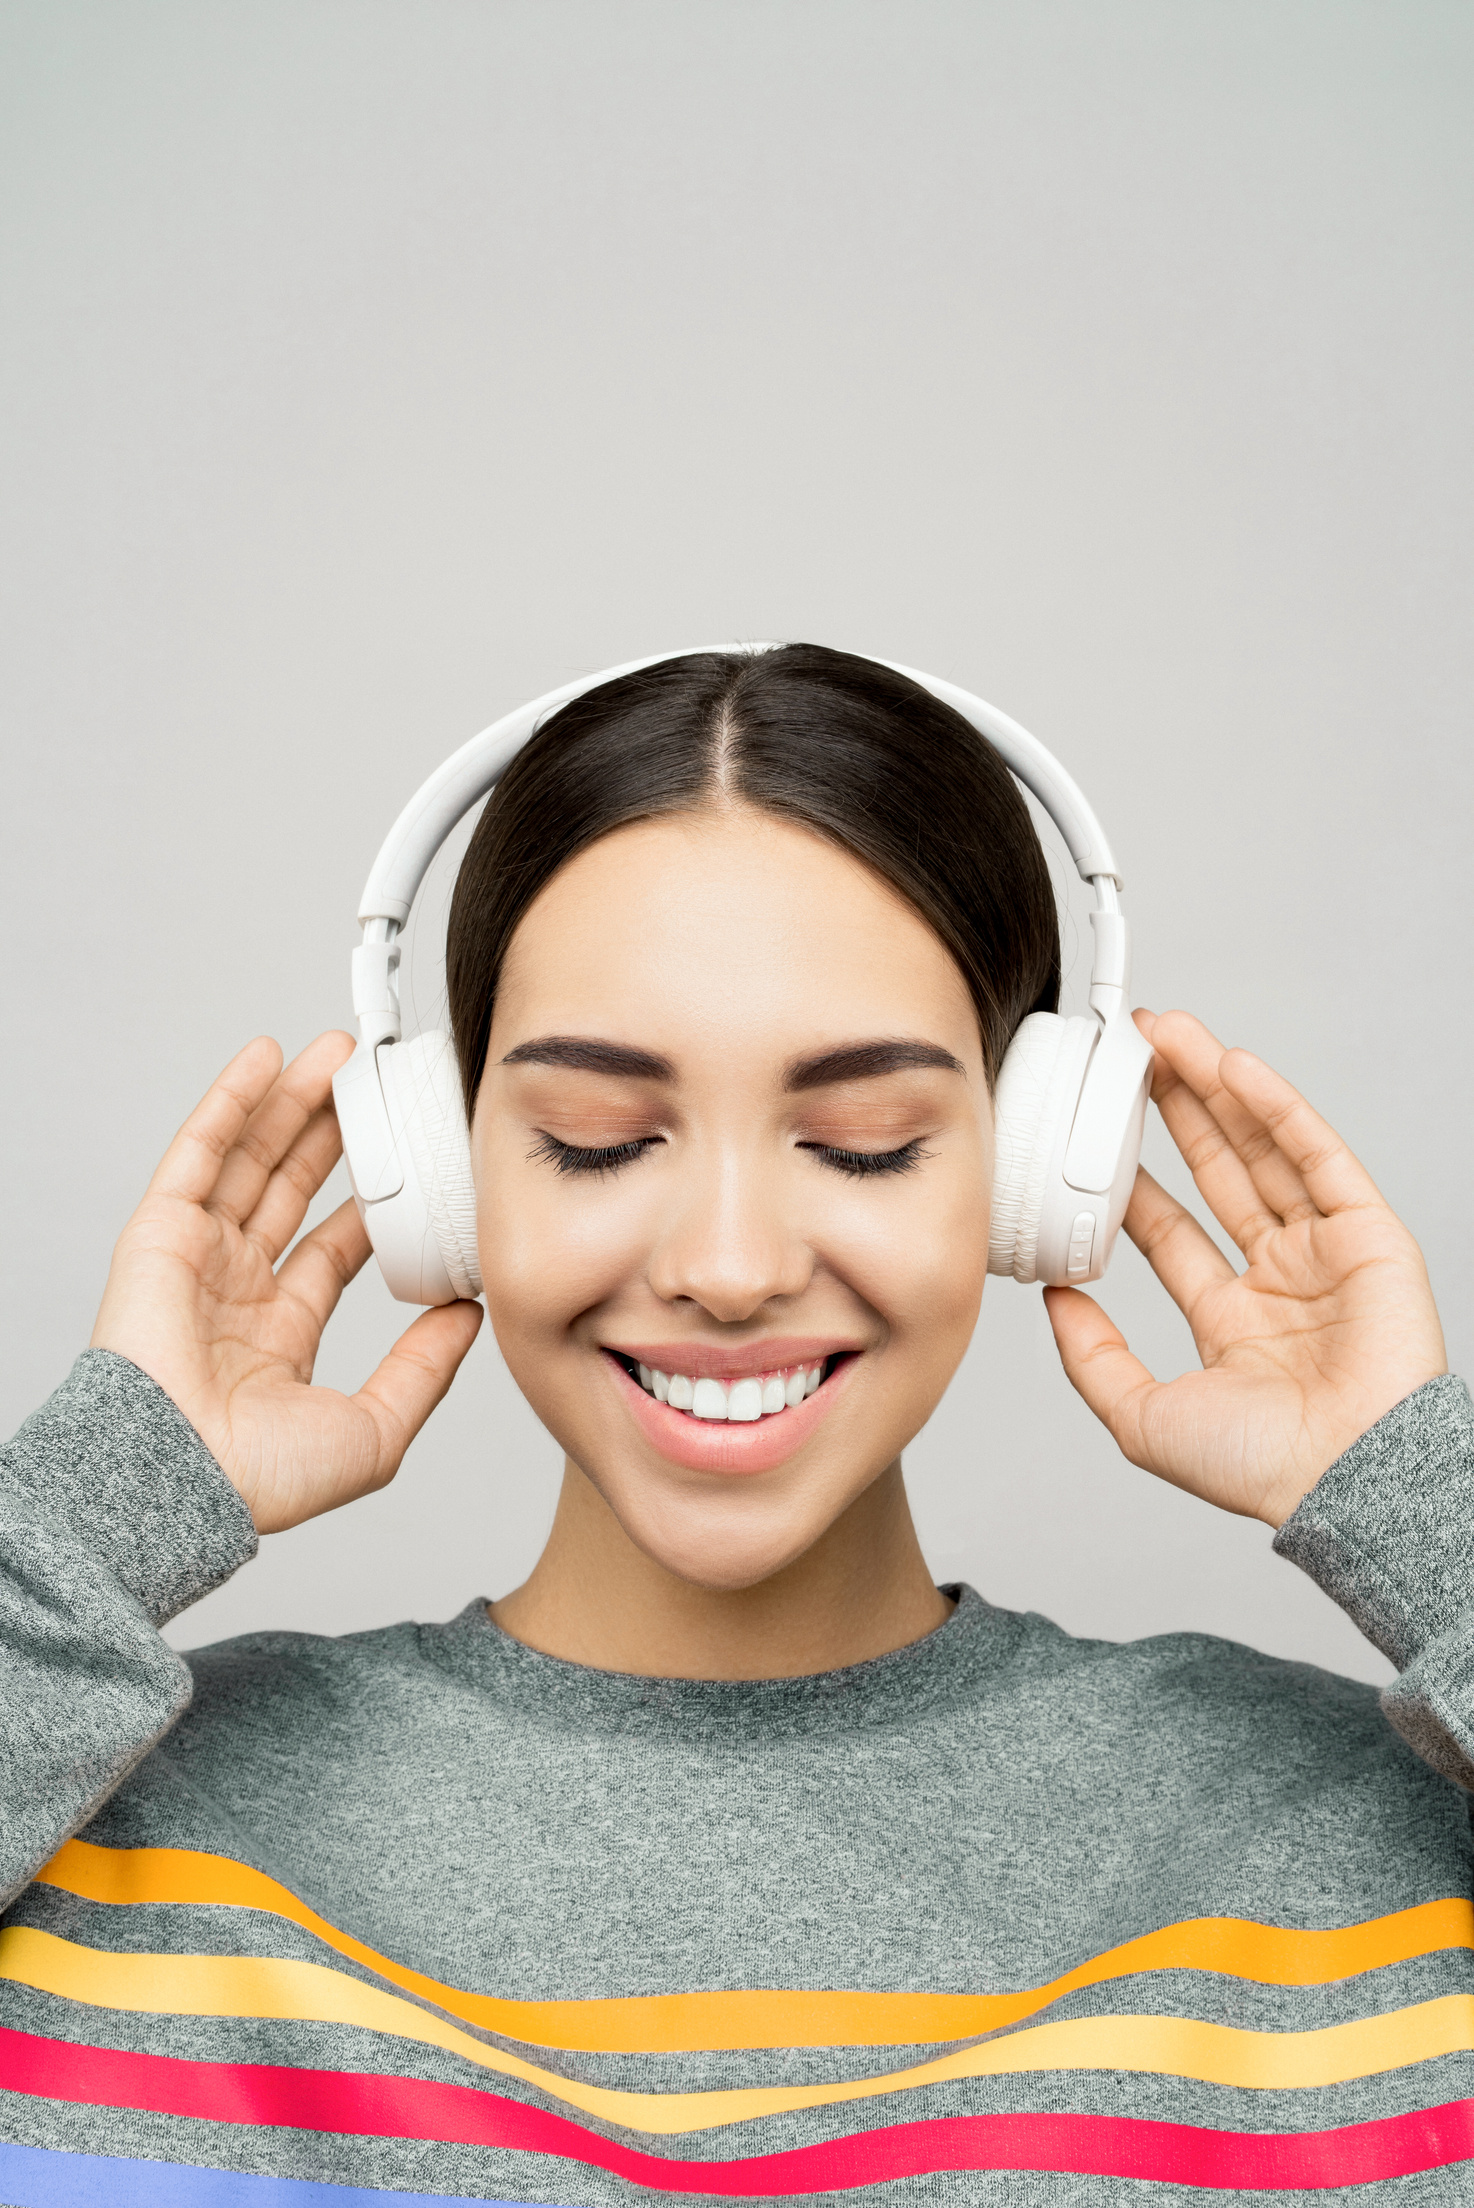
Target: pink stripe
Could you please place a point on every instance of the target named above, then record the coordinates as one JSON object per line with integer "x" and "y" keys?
{"x": 414, "y": 2108}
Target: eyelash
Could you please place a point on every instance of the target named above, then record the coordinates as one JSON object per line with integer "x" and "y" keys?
{"x": 576, "y": 1157}
{"x": 856, "y": 1165}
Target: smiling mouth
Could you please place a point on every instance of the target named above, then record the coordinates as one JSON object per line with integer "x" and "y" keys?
{"x": 756, "y": 1395}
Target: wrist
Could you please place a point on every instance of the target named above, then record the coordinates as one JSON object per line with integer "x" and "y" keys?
{"x": 1385, "y": 1531}
{"x": 120, "y": 1470}
{"x": 1337, "y": 1438}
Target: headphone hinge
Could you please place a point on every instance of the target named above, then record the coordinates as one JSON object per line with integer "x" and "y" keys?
{"x": 376, "y": 992}
{"x": 1110, "y": 969}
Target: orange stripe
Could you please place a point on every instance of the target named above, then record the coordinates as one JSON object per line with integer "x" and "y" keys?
{"x": 679, "y": 2023}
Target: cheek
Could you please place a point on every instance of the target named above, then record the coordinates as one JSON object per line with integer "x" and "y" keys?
{"x": 924, "y": 1271}
{"x": 918, "y": 1254}
{"x": 550, "y": 1247}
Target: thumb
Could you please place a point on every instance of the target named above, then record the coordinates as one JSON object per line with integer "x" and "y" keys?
{"x": 1100, "y": 1367}
{"x": 405, "y": 1388}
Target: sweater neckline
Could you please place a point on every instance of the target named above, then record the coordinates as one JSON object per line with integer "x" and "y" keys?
{"x": 882, "y": 1691}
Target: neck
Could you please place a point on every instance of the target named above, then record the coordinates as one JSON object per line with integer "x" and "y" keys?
{"x": 595, "y": 1598}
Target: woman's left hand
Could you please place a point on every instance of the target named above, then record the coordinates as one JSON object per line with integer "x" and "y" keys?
{"x": 1330, "y": 1325}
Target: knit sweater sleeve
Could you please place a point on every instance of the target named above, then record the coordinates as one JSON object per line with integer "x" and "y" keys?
{"x": 113, "y": 1518}
{"x": 1388, "y": 1532}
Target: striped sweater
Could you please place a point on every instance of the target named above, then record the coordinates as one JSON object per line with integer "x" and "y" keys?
{"x": 1005, "y": 1916}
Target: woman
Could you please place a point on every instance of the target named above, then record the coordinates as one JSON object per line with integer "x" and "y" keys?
{"x": 729, "y": 1855}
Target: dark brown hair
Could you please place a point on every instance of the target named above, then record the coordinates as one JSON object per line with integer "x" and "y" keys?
{"x": 862, "y": 756}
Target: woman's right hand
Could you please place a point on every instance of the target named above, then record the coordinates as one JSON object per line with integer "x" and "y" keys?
{"x": 195, "y": 1299}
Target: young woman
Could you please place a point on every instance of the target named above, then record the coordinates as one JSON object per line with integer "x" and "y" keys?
{"x": 729, "y": 1855}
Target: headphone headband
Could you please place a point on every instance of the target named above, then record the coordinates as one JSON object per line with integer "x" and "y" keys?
{"x": 469, "y": 773}
{"x": 436, "y": 807}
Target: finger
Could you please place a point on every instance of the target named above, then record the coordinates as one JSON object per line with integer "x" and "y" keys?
{"x": 1335, "y": 1178}
{"x": 324, "y": 1262}
{"x": 1246, "y": 1179}
{"x": 302, "y": 1089}
{"x": 1225, "y": 1181}
{"x": 1184, "y": 1257}
{"x": 1101, "y": 1368}
{"x": 295, "y": 1182}
{"x": 190, "y": 1167}
{"x": 400, "y": 1395}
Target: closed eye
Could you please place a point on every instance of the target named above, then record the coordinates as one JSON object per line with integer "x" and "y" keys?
{"x": 859, "y": 1164}
{"x": 611, "y": 1157}
{"x": 577, "y": 1157}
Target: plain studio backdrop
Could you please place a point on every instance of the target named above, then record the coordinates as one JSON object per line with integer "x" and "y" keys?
{"x": 374, "y": 365}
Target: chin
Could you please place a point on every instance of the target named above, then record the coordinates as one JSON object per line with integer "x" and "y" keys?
{"x": 710, "y": 1545}
{"x": 717, "y": 1571}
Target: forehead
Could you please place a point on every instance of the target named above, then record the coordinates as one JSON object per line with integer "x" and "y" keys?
{"x": 728, "y": 917}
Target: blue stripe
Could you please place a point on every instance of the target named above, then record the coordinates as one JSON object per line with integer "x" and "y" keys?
{"x": 37, "y": 2177}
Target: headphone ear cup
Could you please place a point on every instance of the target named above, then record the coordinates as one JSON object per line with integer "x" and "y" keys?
{"x": 423, "y": 1083}
{"x": 1033, "y": 1105}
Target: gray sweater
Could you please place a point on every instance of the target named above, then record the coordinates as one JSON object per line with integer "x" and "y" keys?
{"x": 1001, "y": 1917}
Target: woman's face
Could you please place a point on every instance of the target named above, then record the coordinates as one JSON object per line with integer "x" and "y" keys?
{"x": 734, "y": 1129}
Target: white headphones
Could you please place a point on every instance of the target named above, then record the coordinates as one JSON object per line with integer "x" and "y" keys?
{"x": 1070, "y": 1102}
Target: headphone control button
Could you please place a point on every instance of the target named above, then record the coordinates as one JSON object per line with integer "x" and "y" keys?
{"x": 1082, "y": 1242}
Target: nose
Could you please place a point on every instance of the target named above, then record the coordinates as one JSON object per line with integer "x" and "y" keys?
{"x": 731, "y": 1244}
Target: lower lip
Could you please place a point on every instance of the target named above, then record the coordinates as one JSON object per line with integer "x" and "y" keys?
{"x": 722, "y": 1445}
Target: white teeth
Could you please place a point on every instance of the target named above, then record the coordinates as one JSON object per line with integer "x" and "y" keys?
{"x": 760, "y": 1395}
{"x": 745, "y": 1400}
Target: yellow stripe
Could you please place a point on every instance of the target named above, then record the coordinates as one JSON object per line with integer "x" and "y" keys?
{"x": 1215, "y": 2054}
{"x": 682, "y": 2023}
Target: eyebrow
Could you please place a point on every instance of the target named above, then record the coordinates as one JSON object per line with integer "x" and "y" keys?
{"x": 850, "y": 1062}
{"x": 585, "y": 1054}
{"x": 862, "y": 1061}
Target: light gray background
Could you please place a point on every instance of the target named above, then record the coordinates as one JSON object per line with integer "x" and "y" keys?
{"x": 373, "y": 365}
